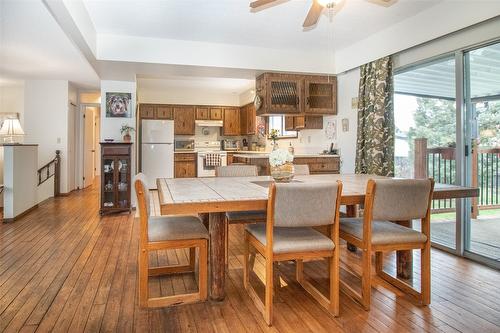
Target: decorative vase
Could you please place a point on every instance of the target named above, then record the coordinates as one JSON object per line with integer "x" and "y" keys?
{"x": 127, "y": 137}
{"x": 275, "y": 145}
{"x": 283, "y": 173}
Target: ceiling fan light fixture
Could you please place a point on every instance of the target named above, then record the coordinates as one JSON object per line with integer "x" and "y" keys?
{"x": 328, "y": 3}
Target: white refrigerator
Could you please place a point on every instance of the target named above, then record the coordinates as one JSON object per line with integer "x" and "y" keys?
{"x": 157, "y": 150}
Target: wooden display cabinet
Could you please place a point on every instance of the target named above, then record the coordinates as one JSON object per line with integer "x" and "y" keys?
{"x": 320, "y": 94}
{"x": 115, "y": 177}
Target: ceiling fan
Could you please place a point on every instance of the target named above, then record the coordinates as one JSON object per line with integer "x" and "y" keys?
{"x": 317, "y": 8}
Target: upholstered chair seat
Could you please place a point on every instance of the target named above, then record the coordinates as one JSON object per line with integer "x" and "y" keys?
{"x": 169, "y": 233}
{"x": 383, "y": 232}
{"x": 165, "y": 228}
{"x": 287, "y": 240}
{"x": 388, "y": 201}
{"x": 293, "y": 210}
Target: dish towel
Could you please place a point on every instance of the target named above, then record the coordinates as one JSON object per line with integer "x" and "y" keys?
{"x": 212, "y": 159}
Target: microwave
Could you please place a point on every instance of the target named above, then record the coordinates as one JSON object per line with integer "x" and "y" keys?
{"x": 184, "y": 145}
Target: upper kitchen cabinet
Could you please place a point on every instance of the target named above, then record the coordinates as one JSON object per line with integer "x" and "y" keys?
{"x": 184, "y": 117}
{"x": 297, "y": 123}
{"x": 320, "y": 95}
{"x": 215, "y": 113}
{"x": 208, "y": 113}
{"x": 290, "y": 94}
{"x": 247, "y": 119}
{"x": 202, "y": 113}
{"x": 231, "y": 125}
{"x": 278, "y": 94}
{"x": 147, "y": 111}
{"x": 164, "y": 112}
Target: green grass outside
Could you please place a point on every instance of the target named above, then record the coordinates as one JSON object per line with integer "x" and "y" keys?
{"x": 451, "y": 215}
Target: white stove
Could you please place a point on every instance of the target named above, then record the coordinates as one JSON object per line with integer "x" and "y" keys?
{"x": 204, "y": 147}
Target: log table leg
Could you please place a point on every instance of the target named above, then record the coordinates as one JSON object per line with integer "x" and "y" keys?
{"x": 217, "y": 233}
{"x": 351, "y": 211}
{"x": 404, "y": 259}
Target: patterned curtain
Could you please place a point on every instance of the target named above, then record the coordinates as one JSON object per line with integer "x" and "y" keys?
{"x": 375, "y": 144}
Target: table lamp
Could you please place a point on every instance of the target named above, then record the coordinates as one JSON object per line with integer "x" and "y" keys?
{"x": 11, "y": 129}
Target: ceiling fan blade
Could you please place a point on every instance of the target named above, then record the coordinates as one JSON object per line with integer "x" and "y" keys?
{"x": 385, "y": 3}
{"x": 313, "y": 14}
{"x": 258, "y": 3}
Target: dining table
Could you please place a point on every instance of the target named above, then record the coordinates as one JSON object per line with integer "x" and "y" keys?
{"x": 214, "y": 196}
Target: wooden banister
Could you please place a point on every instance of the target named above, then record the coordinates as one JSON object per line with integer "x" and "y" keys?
{"x": 52, "y": 169}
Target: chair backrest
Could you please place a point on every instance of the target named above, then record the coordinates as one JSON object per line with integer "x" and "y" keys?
{"x": 301, "y": 169}
{"x": 304, "y": 204}
{"x": 236, "y": 171}
{"x": 142, "y": 193}
{"x": 401, "y": 199}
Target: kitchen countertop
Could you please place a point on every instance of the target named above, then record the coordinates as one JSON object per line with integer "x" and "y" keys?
{"x": 266, "y": 155}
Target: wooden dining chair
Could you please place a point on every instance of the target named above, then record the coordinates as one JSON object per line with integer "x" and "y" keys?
{"x": 243, "y": 217}
{"x": 164, "y": 233}
{"x": 301, "y": 169}
{"x": 292, "y": 211}
{"x": 387, "y": 202}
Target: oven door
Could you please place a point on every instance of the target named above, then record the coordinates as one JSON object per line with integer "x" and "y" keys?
{"x": 205, "y": 171}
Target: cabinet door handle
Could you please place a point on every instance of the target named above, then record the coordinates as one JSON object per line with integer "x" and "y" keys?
{"x": 297, "y": 100}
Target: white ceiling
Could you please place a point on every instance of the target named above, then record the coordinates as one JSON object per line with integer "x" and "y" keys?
{"x": 221, "y": 85}
{"x": 182, "y": 41}
{"x": 33, "y": 46}
{"x": 232, "y": 21}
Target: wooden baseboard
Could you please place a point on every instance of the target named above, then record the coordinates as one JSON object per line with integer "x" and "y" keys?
{"x": 26, "y": 212}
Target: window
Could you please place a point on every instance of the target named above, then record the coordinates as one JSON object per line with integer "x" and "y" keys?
{"x": 278, "y": 123}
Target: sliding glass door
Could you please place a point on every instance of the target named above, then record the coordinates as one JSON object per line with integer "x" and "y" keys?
{"x": 426, "y": 122}
{"x": 482, "y": 100}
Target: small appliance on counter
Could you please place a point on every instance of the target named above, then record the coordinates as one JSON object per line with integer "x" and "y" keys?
{"x": 333, "y": 150}
{"x": 184, "y": 145}
{"x": 231, "y": 145}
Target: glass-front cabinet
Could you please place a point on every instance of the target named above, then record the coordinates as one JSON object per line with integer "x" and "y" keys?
{"x": 115, "y": 179}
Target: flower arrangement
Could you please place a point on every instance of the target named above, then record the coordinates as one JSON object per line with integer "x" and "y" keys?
{"x": 273, "y": 135}
{"x": 282, "y": 169}
{"x": 280, "y": 157}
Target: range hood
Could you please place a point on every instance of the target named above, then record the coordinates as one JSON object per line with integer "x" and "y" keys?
{"x": 209, "y": 123}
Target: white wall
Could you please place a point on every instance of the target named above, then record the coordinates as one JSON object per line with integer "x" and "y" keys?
{"x": 12, "y": 99}
{"x": 348, "y": 86}
{"x": 110, "y": 127}
{"x": 480, "y": 33}
{"x": 46, "y": 124}
{"x": 187, "y": 96}
{"x": 20, "y": 175}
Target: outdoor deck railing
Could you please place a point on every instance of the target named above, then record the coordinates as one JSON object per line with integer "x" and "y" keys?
{"x": 439, "y": 163}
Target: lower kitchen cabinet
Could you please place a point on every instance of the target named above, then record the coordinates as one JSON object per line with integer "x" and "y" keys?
{"x": 317, "y": 165}
{"x": 185, "y": 165}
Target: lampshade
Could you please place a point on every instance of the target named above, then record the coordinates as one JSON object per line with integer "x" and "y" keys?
{"x": 10, "y": 129}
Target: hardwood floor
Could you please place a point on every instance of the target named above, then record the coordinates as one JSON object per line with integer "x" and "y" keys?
{"x": 64, "y": 268}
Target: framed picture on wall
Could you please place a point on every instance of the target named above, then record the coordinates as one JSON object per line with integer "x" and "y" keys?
{"x": 118, "y": 105}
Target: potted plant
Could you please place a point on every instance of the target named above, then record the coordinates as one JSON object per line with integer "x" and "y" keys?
{"x": 273, "y": 135}
{"x": 282, "y": 169}
{"x": 125, "y": 130}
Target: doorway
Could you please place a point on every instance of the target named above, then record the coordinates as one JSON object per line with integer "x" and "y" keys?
{"x": 482, "y": 100}
{"x": 90, "y": 149}
{"x": 425, "y": 120}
